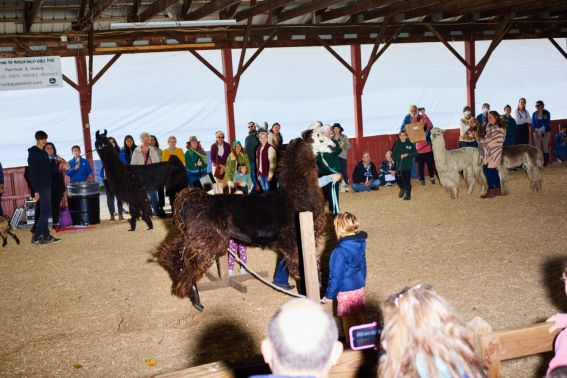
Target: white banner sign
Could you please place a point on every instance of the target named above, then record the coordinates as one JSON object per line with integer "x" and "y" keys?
{"x": 30, "y": 73}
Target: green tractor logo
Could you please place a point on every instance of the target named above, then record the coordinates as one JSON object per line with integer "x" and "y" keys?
{"x": 52, "y": 80}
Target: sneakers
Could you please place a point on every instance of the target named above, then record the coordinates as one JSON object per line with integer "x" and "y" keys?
{"x": 243, "y": 271}
{"x": 231, "y": 273}
{"x": 402, "y": 192}
{"x": 284, "y": 286}
{"x": 388, "y": 184}
{"x": 422, "y": 182}
{"x": 432, "y": 180}
{"x": 49, "y": 239}
{"x": 36, "y": 240}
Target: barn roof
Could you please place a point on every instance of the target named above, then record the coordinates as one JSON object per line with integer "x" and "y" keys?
{"x": 77, "y": 27}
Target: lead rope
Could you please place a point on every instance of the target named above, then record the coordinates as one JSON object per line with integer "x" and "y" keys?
{"x": 262, "y": 279}
{"x": 334, "y": 198}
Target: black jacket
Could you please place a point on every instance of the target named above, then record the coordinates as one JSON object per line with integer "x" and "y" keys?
{"x": 359, "y": 171}
{"x": 39, "y": 172}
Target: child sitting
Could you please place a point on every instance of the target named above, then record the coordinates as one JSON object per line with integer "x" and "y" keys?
{"x": 242, "y": 180}
{"x": 388, "y": 170}
{"x": 347, "y": 271}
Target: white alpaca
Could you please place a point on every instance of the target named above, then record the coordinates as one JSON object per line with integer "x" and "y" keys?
{"x": 450, "y": 163}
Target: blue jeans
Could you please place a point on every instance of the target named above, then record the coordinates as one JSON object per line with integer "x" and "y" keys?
{"x": 154, "y": 201}
{"x": 491, "y": 177}
{"x": 361, "y": 188}
{"x": 468, "y": 144}
{"x": 253, "y": 175}
{"x": 560, "y": 153}
{"x": 42, "y": 226}
{"x": 264, "y": 183}
{"x": 281, "y": 274}
{"x": 194, "y": 176}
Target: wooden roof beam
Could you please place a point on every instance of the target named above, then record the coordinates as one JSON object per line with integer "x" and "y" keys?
{"x": 357, "y": 7}
{"x": 527, "y": 8}
{"x": 304, "y": 9}
{"x": 30, "y": 13}
{"x": 209, "y": 8}
{"x": 151, "y": 11}
{"x": 93, "y": 13}
{"x": 559, "y": 48}
{"x": 398, "y": 8}
{"x": 263, "y": 7}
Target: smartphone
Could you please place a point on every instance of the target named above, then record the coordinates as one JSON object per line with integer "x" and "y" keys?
{"x": 365, "y": 336}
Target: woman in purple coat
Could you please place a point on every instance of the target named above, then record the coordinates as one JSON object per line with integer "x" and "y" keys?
{"x": 219, "y": 153}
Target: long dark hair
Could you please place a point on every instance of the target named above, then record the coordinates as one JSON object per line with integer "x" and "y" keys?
{"x": 116, "y": 146}
{"x": 129, "y": 150}
{"x": 157, "y": 143}
{"x": 53, "y": 146}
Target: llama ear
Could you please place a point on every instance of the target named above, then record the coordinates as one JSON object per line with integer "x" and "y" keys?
{"x": 97, "y": 134}
{"x": 105, "y": 132}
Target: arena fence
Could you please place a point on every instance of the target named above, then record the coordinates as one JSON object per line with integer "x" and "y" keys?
{"x": 17, "y": 189}
{"x": 493, "y": 347}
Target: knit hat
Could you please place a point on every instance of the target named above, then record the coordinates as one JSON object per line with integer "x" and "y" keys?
{"x": 192, "y": 138}
{"x": 235, "y": 143}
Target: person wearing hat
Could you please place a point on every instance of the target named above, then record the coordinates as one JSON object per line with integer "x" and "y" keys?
{"x": 219, "y": 153}
{"x": 195, "y": 161}
{"x": 345, "y": 146}
{"x": 236, "y": 158}
{"x": 541, "y": 126}
{"x": 250, "y": 144}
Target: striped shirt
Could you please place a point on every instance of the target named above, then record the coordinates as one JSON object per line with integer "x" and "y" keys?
{"x": 491, "y": 146}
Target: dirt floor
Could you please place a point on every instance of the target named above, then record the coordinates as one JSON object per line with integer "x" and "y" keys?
{"x": 97, "y": 304}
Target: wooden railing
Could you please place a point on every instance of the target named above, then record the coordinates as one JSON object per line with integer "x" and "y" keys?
{"x": 492, "y": 347}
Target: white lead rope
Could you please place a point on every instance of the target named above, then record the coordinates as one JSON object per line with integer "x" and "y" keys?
{"x": 262, "y": 279}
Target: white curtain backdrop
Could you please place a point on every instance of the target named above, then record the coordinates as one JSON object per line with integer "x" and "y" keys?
{"x": 174, "y": 94}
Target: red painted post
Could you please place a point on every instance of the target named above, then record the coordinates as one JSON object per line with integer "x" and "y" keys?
{"x": 357, "y": 87}
{"x": 229, "y": 93}
{"x": 471, "y": 78}
{"x": 85, "y": 97}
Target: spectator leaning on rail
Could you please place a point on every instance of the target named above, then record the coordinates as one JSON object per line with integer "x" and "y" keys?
{"x": 364, "y": 176}
{"x": 301, "y": 342}
{"x": 146, "y": 155}
{"x": 511, "y": 127}
{"x": 79, "y": 168}
{"x": 423, "y": 337}
{"x": 39, "y": 174}
{"x": 541, "y": 125}
{"x": 560, "y": 145}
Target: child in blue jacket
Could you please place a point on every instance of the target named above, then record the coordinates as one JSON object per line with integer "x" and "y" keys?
{"x": 347, "y": 271}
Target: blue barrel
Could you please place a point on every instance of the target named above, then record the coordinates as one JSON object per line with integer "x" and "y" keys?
{"x": 84, "y": 203}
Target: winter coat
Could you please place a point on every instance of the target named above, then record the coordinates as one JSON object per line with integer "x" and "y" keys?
{"x": 347, "y": 266}
{"x": 361, "y": 172}
{"x": 401, "y": 148}
{"x": 139, "y": 159}
{"x": 39, "y": 171}
{"x": 80, "y": 174}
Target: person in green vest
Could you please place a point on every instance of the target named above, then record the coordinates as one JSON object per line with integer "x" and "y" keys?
{"x": 404, "y": 151}
{"x": 329, "y": 163}
{"x": 195, "y": 161}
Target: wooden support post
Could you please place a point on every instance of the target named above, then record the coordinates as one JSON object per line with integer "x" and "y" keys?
{"x": 357, "y": 90}
{"x": 471, "y": 77}
{"x": 309, "y": 250}
{"x": 479, "y": 328}
{"x": 229, "y": 93}
{"x": 85, "y": 100}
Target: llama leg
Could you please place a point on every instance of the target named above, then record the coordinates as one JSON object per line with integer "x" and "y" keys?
{"x": 503, "y": 175}
{"x": 469, "y": 179}
{"x": 5, "y": 240}
{"x": 13, "y": 236}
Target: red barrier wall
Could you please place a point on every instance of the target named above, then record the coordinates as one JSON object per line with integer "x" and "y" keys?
{"x": 17, "y": 188}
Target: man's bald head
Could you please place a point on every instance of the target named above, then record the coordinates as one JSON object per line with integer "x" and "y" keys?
{"x": 303, "y": 337}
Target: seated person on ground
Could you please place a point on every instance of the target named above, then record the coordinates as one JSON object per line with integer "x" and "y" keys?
{"x": 302, "y": 341}
{"x": 388, "y": 170}
{"x": 365, "y": 177}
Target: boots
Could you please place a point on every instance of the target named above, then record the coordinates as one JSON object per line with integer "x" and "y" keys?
{"x": 490, "y": 193}
{"x": 112, "y": 219}
{"x": 120, "y": 217}
{"x": 497, "y": 192}
{"x": 432, "y": 180}
{"x": 407, "y": 194}
{"x": 545, "y": 159}
{"x": 196, "y": 300}
{"x": 402, "y": 192}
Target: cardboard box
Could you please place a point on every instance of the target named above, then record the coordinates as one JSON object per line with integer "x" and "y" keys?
{"x": 415, "y": 131}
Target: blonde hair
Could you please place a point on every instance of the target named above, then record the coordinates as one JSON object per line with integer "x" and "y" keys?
{"x": 417, "y": 321}
{"x": 172, "y": 137}
{"x": 345, "y": 224}
{"x": 219, "y": 133}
